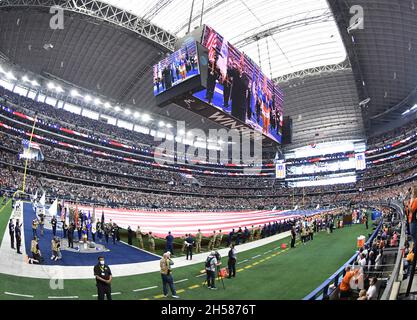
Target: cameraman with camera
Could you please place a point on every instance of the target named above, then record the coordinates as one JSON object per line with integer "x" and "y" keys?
{"x": 212, "y": 263}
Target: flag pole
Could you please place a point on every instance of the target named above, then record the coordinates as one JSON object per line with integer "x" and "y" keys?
{"x": 27, "y": 160}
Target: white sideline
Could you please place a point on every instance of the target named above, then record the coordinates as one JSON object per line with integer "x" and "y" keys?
{"x": 145, "y": 289}
{"x": 18, "y": 294}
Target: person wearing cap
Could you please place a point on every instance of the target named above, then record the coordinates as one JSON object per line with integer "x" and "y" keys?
{"x": 166, "y": 274}
{"x": 104, "y": 278}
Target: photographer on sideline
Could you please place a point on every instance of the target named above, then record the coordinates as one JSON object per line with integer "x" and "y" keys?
{"x": 212, "y": 263}
{"x": 166, "y": 273}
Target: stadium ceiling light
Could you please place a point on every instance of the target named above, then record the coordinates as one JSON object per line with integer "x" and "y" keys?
{"x": 117, "y": 109}
{"x": 51, "y": 85}
{"x": 136, "y": 115}
{"x": 221, "y": 142}
{"x": 107, "y": 105}
{"x": 181, "y": 132}
{"x": 10, "y": 75}
{"x": 189, "y": 133}
{"x": 2, "y": 70}
{"x": 97, "y": 101}
{"x": 406, "y": 112}
{"x": 161, "y": 124}
{"x": 169, "y": 126}
{"x": 146, "y": 117}
{"x": 35, "y": 83}
{"x": 59, "y": 89}
{"x": 74, "y": 93}
{"x": 128, "y": 112}
{"x": 87, "y": 98}
{"x": 25, "y": 79}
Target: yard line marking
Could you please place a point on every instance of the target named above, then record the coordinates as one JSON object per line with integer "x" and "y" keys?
{"x": 180, "y": 281}
{"x": 255, "y": 257}
{"x": 70, "y": 297}
{"x": 194, "y": 287}
{"x": 18, "y": 294}
{"x": 201, "y": 275}
{"x": 248, "y": 267}
{"x": 240, "y": 270}
{"x": 145, "y": 289}
{"x": 181, "y": 291}
{"x": 255, "y": 263}
{"x": 243, "y": 261}
{"x": 159, "y": 297}
{"x": 113, "y": 294}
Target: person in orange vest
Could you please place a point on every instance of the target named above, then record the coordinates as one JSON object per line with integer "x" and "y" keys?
{"x": 345, "y": 290}
{"x": 412, "y": 216}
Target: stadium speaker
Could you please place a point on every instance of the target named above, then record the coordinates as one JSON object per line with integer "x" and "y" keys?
{"x": 287, "y": 131}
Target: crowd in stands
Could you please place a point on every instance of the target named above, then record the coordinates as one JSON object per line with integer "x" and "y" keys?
{"x": 393, "y": 135}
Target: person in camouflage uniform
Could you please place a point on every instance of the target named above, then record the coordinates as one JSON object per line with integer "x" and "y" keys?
{"x": 198, "y": 239}
{"x": 151, "y": 240}
{"x": 219, "y": 240}
{"x": 139, "y": 237}
{"x": 252, "y": 234}
{"x": 212, "y": 241}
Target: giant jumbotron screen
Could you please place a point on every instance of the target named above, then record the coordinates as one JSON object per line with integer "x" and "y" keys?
{"x": 237, "y": 86}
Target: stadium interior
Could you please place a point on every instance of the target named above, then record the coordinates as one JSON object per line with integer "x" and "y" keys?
{"x": 263, "y": 149}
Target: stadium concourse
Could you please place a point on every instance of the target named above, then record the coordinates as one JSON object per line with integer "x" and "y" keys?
{"x": 268, "y": 146}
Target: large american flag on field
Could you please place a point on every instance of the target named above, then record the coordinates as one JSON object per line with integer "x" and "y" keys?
{"x": 211, "y": 45}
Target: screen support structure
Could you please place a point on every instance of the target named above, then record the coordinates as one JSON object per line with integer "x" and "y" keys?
{"x": 191, "y": 16}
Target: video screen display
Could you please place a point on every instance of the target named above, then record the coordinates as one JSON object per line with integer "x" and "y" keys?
{"x": 180, "y": 66}
{"x": 237, "y": 86}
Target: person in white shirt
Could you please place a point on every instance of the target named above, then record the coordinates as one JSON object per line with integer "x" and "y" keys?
{"x": 362, "y": 262}
{"x": 372, "y": 292}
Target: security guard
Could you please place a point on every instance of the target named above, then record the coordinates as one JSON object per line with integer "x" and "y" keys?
{"x": 103, "y": 276}
{"x": 18, "y": 235}
{"x": 11, "y": 232}
{"x": 199, "y": 237}
{"x": 151, "y": 242}
{"x": 219, "y": 240}
{"x": 54, "y": 223}
{"x": 139, "y": 237}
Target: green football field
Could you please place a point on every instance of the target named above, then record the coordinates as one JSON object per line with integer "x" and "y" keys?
{"x": 265, "y": 273}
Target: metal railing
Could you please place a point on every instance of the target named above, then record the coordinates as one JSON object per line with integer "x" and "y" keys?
{"x": 323, "y": 290}
{"x": 397, "y": 274}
